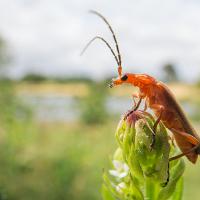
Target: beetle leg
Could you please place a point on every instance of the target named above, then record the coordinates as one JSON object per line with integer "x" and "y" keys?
{"x": 136, "y": 104}
{"x": 139, "y": 96}
{"x": 135, "y": 96}
{"x": 189, "y": 138}
{"x": 185, "y": 153}
{"x": 145, "y": 106}
{"x": 186, "y": 136}
{"x": 160, "y": 108}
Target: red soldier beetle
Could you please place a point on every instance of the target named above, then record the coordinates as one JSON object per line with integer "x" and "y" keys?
{"x": 158, "y": 98}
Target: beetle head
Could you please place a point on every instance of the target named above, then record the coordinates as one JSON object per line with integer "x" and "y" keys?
{"x": 120, "y": 79}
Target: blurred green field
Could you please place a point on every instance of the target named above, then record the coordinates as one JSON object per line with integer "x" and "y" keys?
{"x": 56, "y": 160}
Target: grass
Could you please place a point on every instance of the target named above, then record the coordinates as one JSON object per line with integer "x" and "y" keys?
{"x": 54, "y": 161}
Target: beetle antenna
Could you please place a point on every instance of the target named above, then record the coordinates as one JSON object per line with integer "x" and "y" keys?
{"x": 107, "y": 44}
{"x": 113, "y": 34}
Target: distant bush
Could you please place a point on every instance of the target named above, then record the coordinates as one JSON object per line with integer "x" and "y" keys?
{"x": 37, "y": 78}
{"x": 73, "y": 80}
{"x": 34, "y": 78}
{"x": 93, "y": 106}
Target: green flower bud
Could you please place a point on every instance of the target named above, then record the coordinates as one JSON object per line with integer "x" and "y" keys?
{"x": 142, "y": 170}
{"x": 153, "y": 159}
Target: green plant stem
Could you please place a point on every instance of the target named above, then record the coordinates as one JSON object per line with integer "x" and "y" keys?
{"x": 150, "y": 189}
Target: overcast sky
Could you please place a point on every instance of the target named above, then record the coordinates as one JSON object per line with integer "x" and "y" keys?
{"x": 47, "y": 36}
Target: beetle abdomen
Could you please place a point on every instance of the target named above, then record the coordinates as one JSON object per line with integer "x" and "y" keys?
{"x": 174, "y": 118}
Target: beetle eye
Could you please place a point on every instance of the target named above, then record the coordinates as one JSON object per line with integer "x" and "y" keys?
{"x": 123, "y": 78}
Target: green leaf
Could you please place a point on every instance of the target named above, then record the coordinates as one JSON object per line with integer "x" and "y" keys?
{"x": 177, "y": 195}
{"x": 106, "y": 194}
{"x": 175, "y": 174}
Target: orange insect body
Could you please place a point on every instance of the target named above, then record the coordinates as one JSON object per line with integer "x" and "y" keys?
{"x": 158, "y": 98}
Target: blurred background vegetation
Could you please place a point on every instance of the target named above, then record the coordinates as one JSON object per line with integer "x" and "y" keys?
{"x": 57, "y": 133}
